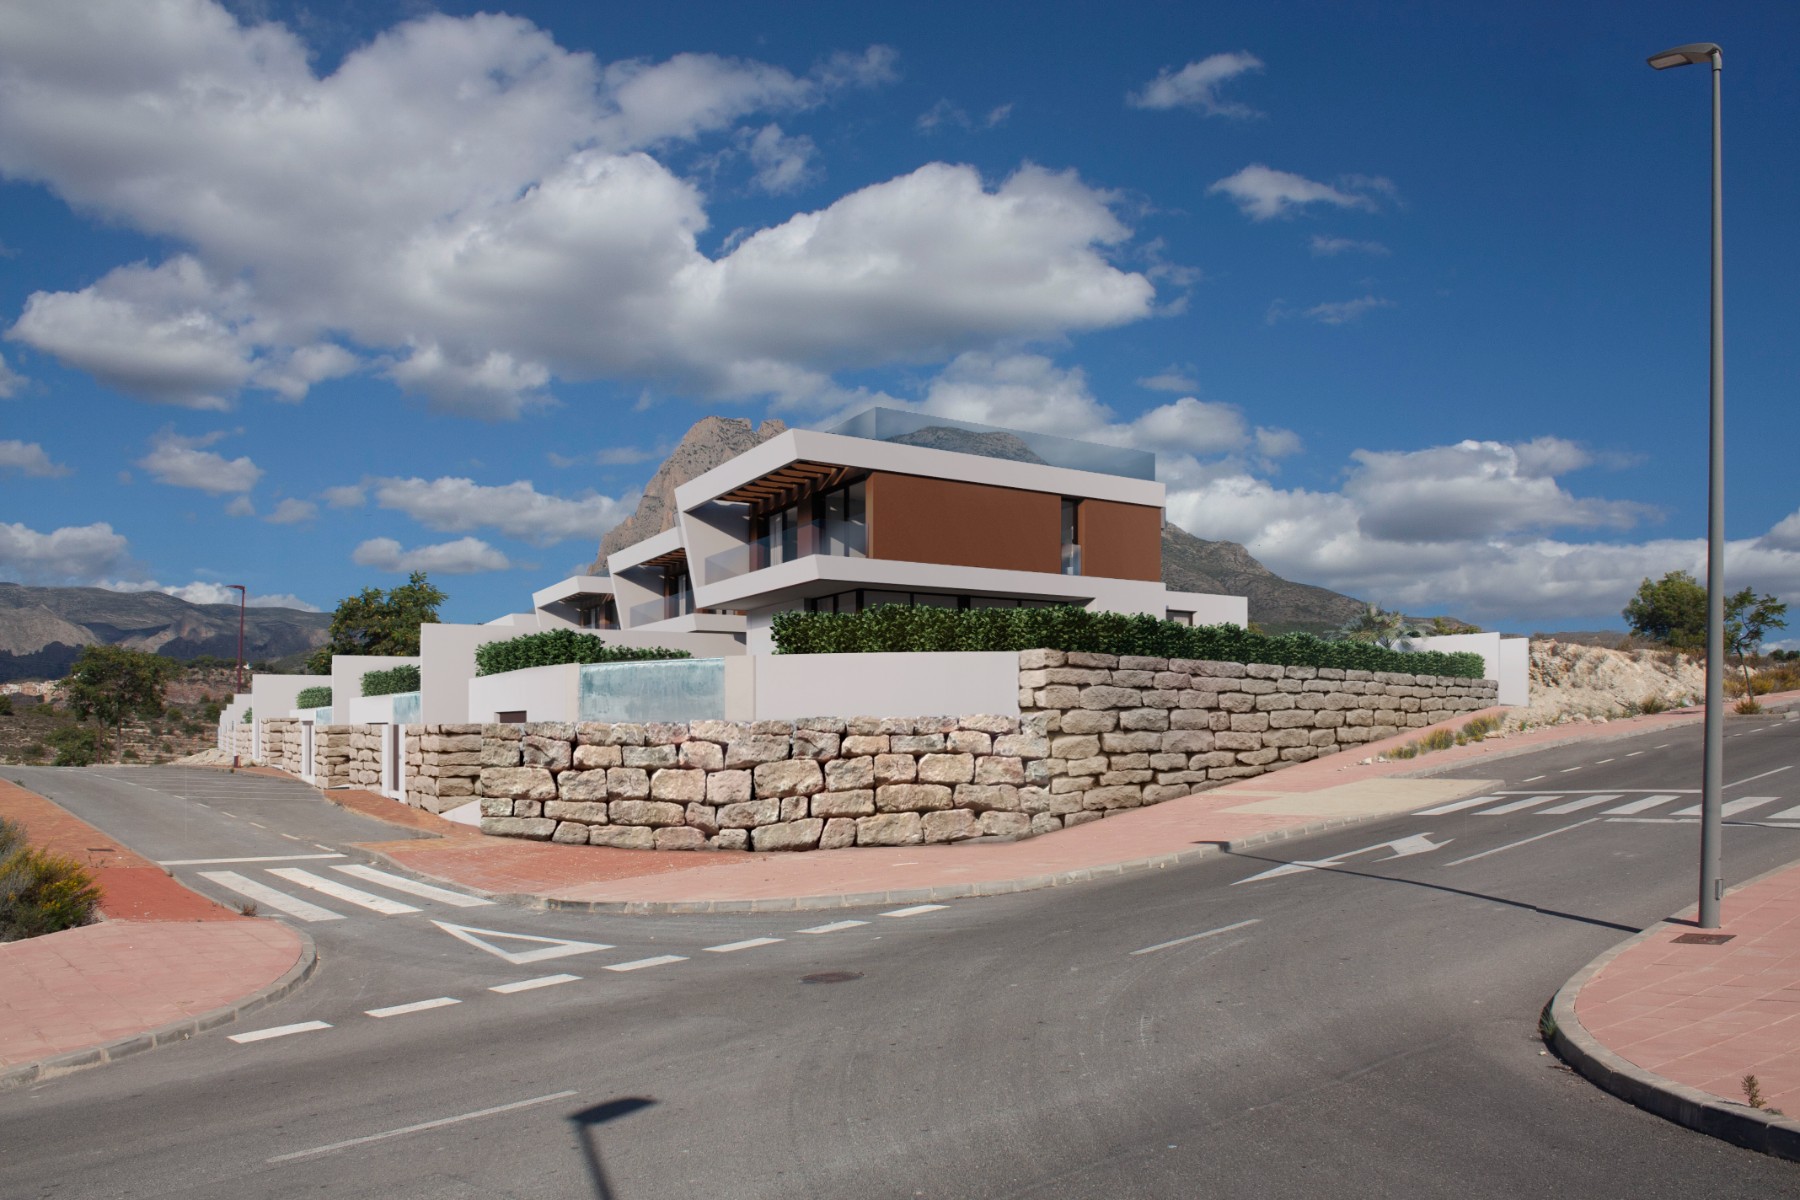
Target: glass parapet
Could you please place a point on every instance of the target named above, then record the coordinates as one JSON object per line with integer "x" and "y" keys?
{"x": 987, "y": 441}
{"x": 675, "y": 689}
{"x": 406, "y": 708}
{"x": 847, "y": 539}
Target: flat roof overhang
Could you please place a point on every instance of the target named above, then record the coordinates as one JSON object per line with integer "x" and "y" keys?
{"x": 823, "y": 574}
{"x": 573, "y": 590}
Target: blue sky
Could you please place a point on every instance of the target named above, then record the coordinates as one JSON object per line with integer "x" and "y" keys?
{"x": 1409, "y": 298}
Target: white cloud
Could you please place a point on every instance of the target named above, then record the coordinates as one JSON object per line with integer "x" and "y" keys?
{"x": 460, "y": 237}
{"x": 1342, "y": 312}
{"x": 10, "y": 380}
{"x": 206, "y": 592}
{"x": 516, "y": 509}
{"x": 350, "y": 495}
{"x": 182, "y": 462}
{"x": 1263, "y": 192}
{"x": 240, "y": 506}
{"x": 1172, "y": 379}
{"x": 1331, "y": 247}
{"x": 28, "y": 458}
{"x": 945, "y": 113}
{"x": 292, "y": 512}
{"x": 783, "y": 163}
{"x": 1785, "y": 535}
{"x": 1197, "y": 86}
{"x": 464, "y": 556}
{"x": 73, "y": 554}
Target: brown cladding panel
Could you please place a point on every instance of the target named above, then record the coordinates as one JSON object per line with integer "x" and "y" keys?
{"x": 915, "y": 519}
{"x": 1121, "y": 541}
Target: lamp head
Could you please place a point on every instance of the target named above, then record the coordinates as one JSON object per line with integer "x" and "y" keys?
{"x": 1681, "y": 56}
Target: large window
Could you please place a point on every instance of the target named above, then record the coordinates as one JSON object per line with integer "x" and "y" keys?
{"x": 1071, "y": 536}
{"x": 858, "y": 599}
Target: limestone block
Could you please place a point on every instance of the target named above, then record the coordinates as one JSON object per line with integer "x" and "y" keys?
{"x": 1044, "y": 823}
{"x": 859, "y": 745}
{"x": 533, "y": 783}
{"x": 923, "y": 743}
{"x": 1131, "y": 743}
{"x": 728, "y": 787}
{"x": 946, "y": 768}
{"x": 1089, "y": 721}
{"x": 844, "y": 774}
{"x": 1022, "y": 745}
{"x": 1274, "y": 701}
{"x": 592, "y": 812}
{"x": 1187, "y": 741}
{"x": 794, "y": 777}
{"x": 1104, "y": 696}
{"x": 1237, "y": 740}
{"x": 537, "y": 829}
{"x": 911, "y": 797}
{"x": 890, "y": 829}
{"x": 1327, "y": 720}
{"x": 788, "y": 835}
{"x": 627, "y": 783}
{"x": 496, "y": 806}
{"x": 730, "y": 839}
{"x": 979, "y": 797}
{"x": 1257, "y": 758}
{"x": 1124, "y": 677}
{"x": 1322, "y": 737}
{"x": 680, "y": 786}
{"x": 1283, "y": 738}
{"x": 1080, "y": 818}
{"x": 497, "y": 753}
{"x": 1074, "y": 746}
{"x": 1168, "y": 761}
{"x": 1122, "y": 796}
{"x": 1058, "y": 696}
{"x": 1299, "y": 754}
{"x": 1000, "y": 769}
{"x": 722, "y": 732}
{"x": 969, "y": 741}
{"x": 835, "y": 725}
{"x": 839, "y": 832}
{"x": 650, "y": 757}
{"x": 703, "y": 817}
{"x": 1236, "y": 702}
{"x": 1117, "y": 777}
{"x": 1089, "y": 766}
{"x": 571, "y": 833}
{"x": 429, "y": 744}
{"x": 1192, "y": 718}
{"x": 896, "y": 768}
{"x": 1144, "y": 719}
{"x": 754, "y": 750}
{"x": 858, "y": 802}
{"x": 1156, "y": 793}
{"x": 1249, "y": 722}
{"x": 646, "y": 812}
{"x": 749, "y": 813}
{"x": 1075, "y": 676}
{"x": 622, "y": 837}
{"x": 1233, "y": 772}
{"x": 556, "y": 755}
{"x": 1298, "y": 718}
{"x": 954, "y": 825}
{"x": 793, "y": 808}
{"x": 582, "y": 785}
{"x": 590, "y": 758}
{"x": 816, "y": 744}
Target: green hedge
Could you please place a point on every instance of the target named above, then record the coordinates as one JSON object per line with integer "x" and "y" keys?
{"x": 560, "y": 646}
{"x": 313, "y": 697}
{"x": 403, "y": 678}
{"x": 899, "y": 627}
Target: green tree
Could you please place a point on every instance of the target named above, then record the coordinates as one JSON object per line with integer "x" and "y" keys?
{"x": 1376, "y": 625}
{"x": 378, "y": 622}
{"x": 112, "y": 683}
{"x": 1748, "y": 620}
{"x": 76, "y": 745}
{"x": 1672, "y": 610}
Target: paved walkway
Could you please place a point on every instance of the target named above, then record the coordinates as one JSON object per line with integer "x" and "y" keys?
{"x": 163, "y": 962}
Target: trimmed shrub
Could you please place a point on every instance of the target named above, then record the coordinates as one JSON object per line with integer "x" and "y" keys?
{"x": 391, "y": 682}
{"x": 902, "y": 628}
{"x": 40, "y": 892}
{"x": 75, "y": 745}
{"x": 313, "y": 697}
{"x": 249, "y": 713}
{"x": 558, "y": 646}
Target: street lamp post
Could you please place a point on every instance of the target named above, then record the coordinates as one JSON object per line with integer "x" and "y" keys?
{"x": 243, "y": 596}
{"x": 1712, "y": 881}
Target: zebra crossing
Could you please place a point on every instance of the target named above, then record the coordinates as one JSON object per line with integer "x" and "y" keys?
{"x": 310, "y": 879}
{"x": 1647, "y": 805}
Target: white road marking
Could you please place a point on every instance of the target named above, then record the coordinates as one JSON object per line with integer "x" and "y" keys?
{"x": 1455, "y": 806}
{"x": 1786, "y": 814}
{"x": 263, "y": 1035}
{"x": 412, "y": 887}
{"x": 421, "y": 1127}
{"x": 915, "y": 910}
{"x": 531, "y": 985}
{"x": 1634, "y": 754}
{"x": 640, "y": 963}
{"x": 290, "y": 837}
{"x": 1515, "y": 806}
{"x": 746, "y": 944}
{"x": 548, "y": 947}
{"x": 1526, "y": 842}
{"x": 400, "y": 1010}
{"x": 833, "y": 927}
{"x": 1603, "y": 762}
{"x": 1764, "y": 775}
{"x": 1418, "y": 843}
{"x": 1566, "y": 770}
{"x": 263, "y": 894}
{"x": 1659, "y": 745}
{"x": 1578, "y": 805}
{"x": 1730, "y": 808}
{"x": 342, "y": 891}
{"x": 1533, "y": 779}
{"x": 1194, "y": 937}
{"x": 1638, "y": 806}
{"x": 266, "y": 858}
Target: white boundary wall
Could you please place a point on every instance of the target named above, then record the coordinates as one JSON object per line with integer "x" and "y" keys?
{"x": 793, "y": 686}
{"x": 1507, "y": 660}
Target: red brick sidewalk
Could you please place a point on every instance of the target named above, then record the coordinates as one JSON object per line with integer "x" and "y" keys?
{"x": 165, "y": 960}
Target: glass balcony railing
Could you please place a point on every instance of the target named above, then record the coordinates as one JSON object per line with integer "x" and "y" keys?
{"x": 988, "y": 441}
{"x": 845, "y": 539}
{"x": 662, "y": 609}
{"x": 1071, "y": 560}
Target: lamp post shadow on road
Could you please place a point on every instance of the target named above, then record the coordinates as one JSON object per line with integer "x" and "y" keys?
{"x": 1712, "y": 880}
{"x": 599, "y": 1114}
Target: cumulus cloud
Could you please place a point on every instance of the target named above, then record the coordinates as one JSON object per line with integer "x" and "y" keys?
{"x": 10, "y": 380}
{"x": 29, "y": 458}
{"x": 205, "y": 592}
{"x": 1785, "y": 535}
{"x": 1263, "y": 192}
{"x": 1171, "y": 379}
{"x": 945, "y": 113}
{"x": 349, "y": 495}
{"x": 240, "y": 506}
{"x": 1331, "y": 247}
{"x": 183, "y": 462}
{"x": 516, "y": 509}
{"x": 73, "y": 554}
{"x": 459, "y": 241}
{"x": 292, "y": 512}
{"x": 1197, "y": 86}
{"x": 464, "y": 556}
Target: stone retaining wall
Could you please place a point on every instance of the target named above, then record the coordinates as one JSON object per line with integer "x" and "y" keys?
{"x": 443, "y": 765}
{"x": 281, "y": 743}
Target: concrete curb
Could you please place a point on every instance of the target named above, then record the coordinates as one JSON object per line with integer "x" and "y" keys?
{"x": 954, "y": 891}
{"x": 180, "y": 1031}
{"x": 1703, "y": 1112}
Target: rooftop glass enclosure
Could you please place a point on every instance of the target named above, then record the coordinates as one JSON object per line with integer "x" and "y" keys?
{"x": 966, "y": 437}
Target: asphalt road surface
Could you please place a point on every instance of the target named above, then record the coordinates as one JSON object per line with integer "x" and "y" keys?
{"x": 1347, "y": 1015}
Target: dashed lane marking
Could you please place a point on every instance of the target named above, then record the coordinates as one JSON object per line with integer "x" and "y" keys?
{"x": 278, "y": 1031}
{"x": 413, "y": 887}
{"x": 915, "y": 910}
{"x": 343, "y": 891}
{"x": 746, "y": 944}
{"x": 264, "y": 858}
{"x": 833, "y": 927}
{"x": 1533, "y": 779}
{"x": 294, "y": 907}
{"x": 1194, "y": 937}
{"x": 401, "y": 1010}
{"x": 531, "y": 985}
{"x": 1577, "y": 805}
{"x": 640, "y": 963}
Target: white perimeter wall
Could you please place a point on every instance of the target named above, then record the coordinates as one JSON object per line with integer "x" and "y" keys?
{"x": 274, "y": 696}
{"x": 789, "y": 686}
{"x": 541, "y": 693}
{"x": 347, "y": 671}
{"x": 1507, "y": 660}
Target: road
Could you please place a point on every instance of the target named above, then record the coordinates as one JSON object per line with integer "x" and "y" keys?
{"x": 1347, "y": 1015}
